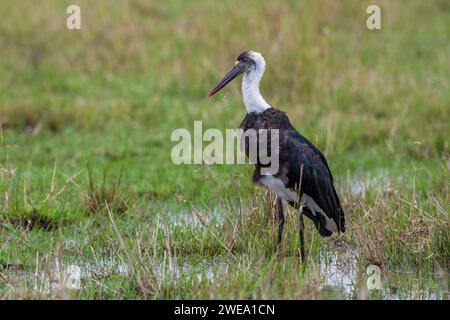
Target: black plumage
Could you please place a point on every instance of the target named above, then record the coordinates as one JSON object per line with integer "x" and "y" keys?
{"x": 298, "y": 157}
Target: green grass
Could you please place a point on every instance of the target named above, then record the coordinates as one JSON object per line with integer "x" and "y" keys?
{"x": 86, "y": 120}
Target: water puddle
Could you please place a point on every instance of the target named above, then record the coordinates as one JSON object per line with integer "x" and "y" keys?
{"x": 379, "y": 181}
{"x": 339, "y": 271}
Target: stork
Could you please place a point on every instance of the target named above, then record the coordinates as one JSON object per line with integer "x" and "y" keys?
{"x": 303, "y": 178}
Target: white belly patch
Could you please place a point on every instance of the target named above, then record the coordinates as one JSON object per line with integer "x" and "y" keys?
{"x": 277, "y": 186}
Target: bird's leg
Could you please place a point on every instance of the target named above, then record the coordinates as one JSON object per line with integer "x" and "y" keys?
{"x": 301, "y": 227}
{"x": 280, "y": 223}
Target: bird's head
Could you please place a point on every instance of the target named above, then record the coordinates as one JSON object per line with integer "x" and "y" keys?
{"x": 248, "y": 62}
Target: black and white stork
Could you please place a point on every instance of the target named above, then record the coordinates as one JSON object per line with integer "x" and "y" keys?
{"x": 303, "y": 179}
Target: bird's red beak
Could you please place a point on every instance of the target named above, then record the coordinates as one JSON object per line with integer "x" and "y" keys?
{"x": 233, "y": 73}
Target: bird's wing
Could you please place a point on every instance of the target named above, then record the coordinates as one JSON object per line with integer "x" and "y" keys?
{"x": 295, "y": 153}
{"x": 305, "y": 161}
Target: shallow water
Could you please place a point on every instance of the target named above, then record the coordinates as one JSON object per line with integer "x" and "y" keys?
{"x": 339, "y": 272}
{"x": 378, "y": 181}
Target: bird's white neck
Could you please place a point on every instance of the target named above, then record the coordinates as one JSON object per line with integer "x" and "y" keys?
{"x": 253, "y": 100}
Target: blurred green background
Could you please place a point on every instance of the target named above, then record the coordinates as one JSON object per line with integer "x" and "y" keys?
{"x": 113, "y": 91}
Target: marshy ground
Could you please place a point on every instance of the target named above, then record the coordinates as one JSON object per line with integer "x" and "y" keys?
{"x": 86, "y": 178}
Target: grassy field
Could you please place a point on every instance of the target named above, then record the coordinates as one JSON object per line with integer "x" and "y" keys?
{"x": 86, "y": 177}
